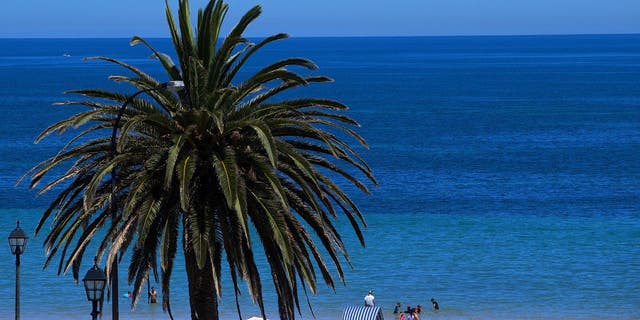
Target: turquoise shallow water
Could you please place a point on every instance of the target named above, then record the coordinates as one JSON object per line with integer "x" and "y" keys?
{"x": 478, "y": 267}
{"x": 509, "y": 173}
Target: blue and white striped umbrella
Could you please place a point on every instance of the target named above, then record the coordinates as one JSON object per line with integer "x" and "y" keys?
{"x": 362, "y": 313}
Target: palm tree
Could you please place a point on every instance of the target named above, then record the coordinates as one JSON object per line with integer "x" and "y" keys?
{"x": 211, "y": 168}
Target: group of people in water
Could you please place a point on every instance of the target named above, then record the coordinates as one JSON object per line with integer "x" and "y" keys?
{"x": 412, "y": 313}
{"x": 409, "y": 313}
{"x": 152, "y": 295}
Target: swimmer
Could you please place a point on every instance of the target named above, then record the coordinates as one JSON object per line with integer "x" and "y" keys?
{"x": 435, "y": 304}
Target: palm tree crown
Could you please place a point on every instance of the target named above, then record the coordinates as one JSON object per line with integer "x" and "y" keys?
{"x": 213, "y": 167}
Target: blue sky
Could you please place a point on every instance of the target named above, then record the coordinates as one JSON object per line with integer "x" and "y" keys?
{"x": 302, "y": 18}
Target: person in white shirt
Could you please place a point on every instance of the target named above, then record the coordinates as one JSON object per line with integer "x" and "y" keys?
{"x": 369, "y": 299}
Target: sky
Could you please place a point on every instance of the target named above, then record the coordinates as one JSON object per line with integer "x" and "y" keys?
{"x": 311, "y": 18}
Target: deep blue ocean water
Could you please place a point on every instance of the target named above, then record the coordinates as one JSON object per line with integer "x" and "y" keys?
{"x": 509, "y": 172}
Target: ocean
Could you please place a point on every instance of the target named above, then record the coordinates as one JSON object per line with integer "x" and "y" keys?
{"x": 509, "y": 172}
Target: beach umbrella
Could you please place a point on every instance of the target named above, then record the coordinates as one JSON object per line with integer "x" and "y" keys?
{"x": 362, "y": 313}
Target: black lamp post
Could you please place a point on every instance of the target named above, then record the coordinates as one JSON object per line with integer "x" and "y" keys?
{"x": 94, "y": 283}
{"x": 173, "y": 86}
{"x": 17, "y": 242}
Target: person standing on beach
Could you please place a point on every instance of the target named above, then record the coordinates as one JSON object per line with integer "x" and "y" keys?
{"x": 369, "y": 299}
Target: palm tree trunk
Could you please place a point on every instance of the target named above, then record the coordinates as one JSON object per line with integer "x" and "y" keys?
{"x": 203, "y": 299}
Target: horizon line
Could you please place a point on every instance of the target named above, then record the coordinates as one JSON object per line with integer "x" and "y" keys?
{"x": 343, "y": 36}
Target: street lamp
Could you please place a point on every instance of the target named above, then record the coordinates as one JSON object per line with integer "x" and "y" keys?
{"x": 94, "y": 282}
{"x": 172, "y": 86}
{"x": 17, "y": 242}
